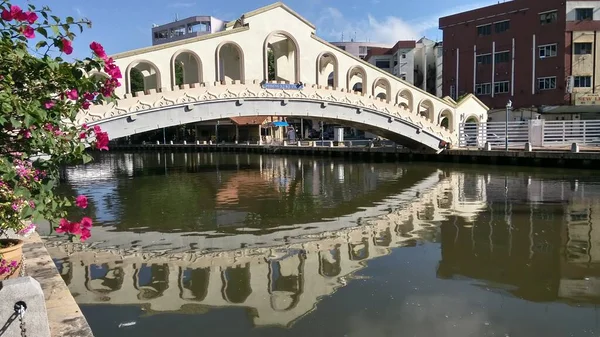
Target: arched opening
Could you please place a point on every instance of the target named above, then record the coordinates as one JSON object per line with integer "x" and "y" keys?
{"x": 426, "y": 109}
{"x": 186, "y": 68}
{"x": 470, "y": 135}
{"x": 286, "y": 282}
{"x": 142, "y": 76}
{"x": 357, "y": 80}
{"x": 281, "y": 58}
{"x": 446, "y": 120}
{"x": 236, "y": 283}
{"x": 230, "y": 62}
{"x": 101, "y": 279}
{"x": 330, "y": 262}
{"x": 327, "y": 70}
{"x": 359, "y": 251}
{"x": 382, "y": 89}
{"x": 405, "y": 99}
{"x": 194, "y": 283}
{"x": 151, "y": 280}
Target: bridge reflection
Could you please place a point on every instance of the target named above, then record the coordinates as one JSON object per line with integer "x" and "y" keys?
{"x": 542, "y": 250}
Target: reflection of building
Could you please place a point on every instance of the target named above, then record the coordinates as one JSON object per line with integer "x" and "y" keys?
{"x": 537, "y": 240}
{"x": 281, "y": 284}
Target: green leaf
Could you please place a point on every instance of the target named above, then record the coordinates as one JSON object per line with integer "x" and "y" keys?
{"x": 42, "y": 31}
{"x": 41, "y": 44}
{"x": 55, "y": 30}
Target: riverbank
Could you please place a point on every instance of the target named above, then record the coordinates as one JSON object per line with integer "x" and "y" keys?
{"x": 64, "y": 315}
{"x": 588, "y": 158}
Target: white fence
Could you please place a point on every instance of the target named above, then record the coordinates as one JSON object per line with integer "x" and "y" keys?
{"x": 539, "y": 133}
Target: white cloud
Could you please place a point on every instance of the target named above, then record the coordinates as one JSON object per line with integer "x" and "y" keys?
{"x": 332, "y": 24}
{"x": 181, "y": 4}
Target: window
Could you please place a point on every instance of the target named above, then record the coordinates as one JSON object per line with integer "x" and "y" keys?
{"x": 362, "y": 50}
{"x": 582, "y": 81}
{"x": 403, "y": 56}
{"x": 342, "y": 47}
{"x": 483, "y": 89}
{"x": 503, "y": 56}
{"x": 548, "y": 17}
{"x": 502, "y": 26}
{"x": 382, "y": 64}
{"x": 484, "y": 30}
{"x": 501, "y": 87}
{"x": 583, "y": 48}
{"x": 548, "y": 50}
{"x": 584, "y": 14}
{"x": 484, "y": 59}
{"x": 547, "y": 83}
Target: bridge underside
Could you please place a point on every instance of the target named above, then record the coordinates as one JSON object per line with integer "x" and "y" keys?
{"x": 396, "y": 129}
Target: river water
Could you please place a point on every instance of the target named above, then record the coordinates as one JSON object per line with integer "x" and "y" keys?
{"x": 253, "y": 245}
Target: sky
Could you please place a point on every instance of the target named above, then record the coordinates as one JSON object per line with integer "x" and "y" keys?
{"x": 122, "y": 25}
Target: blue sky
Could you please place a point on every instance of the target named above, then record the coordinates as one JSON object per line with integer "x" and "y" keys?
{"x": 122, "y": 25}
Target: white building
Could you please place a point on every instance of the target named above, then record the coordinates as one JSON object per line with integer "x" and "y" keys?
{"x": 413, "y": 61}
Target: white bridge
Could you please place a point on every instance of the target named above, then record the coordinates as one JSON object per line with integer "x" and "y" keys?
{"x": 226, "y": 74}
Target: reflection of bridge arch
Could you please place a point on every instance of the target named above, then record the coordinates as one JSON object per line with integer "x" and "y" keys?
{"x": 101, "y": 279}
{"x": 280, "y": 286}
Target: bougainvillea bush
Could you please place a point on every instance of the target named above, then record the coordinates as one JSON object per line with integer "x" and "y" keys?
{"x": 40, "y": 95}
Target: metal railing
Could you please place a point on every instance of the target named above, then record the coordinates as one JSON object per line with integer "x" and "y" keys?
{"x": 539, "y": 133}
{"x": 494, "y": 133}
{"x": 564, "y": 133}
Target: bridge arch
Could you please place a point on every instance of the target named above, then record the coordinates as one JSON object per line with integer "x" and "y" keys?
{"x": 230, "y": 62}
{"x": 327, "y": 69}
{"x": 405, "y": 99}
{"x": 236, "y": 283}
{"x": 446, "y": 119}
{"x": 191, "y": 65}
{"x": 150, "y": 74}
{"x": 425, "y": 109}
{"x": 285, "y": 51}
{"x": 382, "y": 89}
{"x": 356, "y": 79}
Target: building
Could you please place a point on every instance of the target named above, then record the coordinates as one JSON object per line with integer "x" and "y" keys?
{"x": 412, "y": 61}
{"x": 541, "y": 55}
{"x": 186, "y": 28}
{"x": 359, "y": 49}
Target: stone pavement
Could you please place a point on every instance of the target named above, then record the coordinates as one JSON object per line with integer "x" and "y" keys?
{"x": 64, "y": 316}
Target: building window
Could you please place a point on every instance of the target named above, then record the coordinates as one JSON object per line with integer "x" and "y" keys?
{"x": 583, "y": 48}
{"x": 501, "y": 87}
{"x": 342, "y": 47}
{"x": 484, "y": 30}
{"x": 582, "y": 82}
{"x": 547, "y": 83}
{"x": 382, "y": 64}
{"x": 584, "y": 14}
{"x": 403, "y": 56}
{"x": 503, "y": 56}
{"x": 483, "y": 89}
{"x": 484, "y": 59}
{"x": 548, "y": 50}
{"x": 548, "y": 17}
{"x": 362, "y": 50}
{"x": 502, "y": 26}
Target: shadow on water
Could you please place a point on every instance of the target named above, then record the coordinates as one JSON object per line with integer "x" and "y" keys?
{"x": 468, "y": 253}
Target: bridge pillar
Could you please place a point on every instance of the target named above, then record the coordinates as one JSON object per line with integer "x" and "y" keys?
{"x": 314, "y": 143}
{"x": 171, "y": 142}
{"x": 210, "y": 142}
{"x": 158, "y": 142}
{"x": 197, "y": 142}
{"x": 184, "y": 142}
{"x": 331, "y": 143}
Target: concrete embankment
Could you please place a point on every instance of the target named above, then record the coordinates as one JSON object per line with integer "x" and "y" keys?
{"x": 587, "y": 158}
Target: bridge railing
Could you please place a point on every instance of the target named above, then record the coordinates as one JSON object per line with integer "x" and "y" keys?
{"x": 539, "y": 133}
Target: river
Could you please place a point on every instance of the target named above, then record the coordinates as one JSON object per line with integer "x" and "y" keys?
{"x": 256, "y": 245}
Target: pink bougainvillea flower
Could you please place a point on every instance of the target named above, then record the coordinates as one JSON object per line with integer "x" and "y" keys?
{"x": 28, "y": 32}
{"x": 101, "y": 141}
{"x": 98, "y": 50}
{"x": 67, "y": 46}
{"x": 97, "y": 129}
{"x": 27, "y": 230}
{"x": 15, "y": 12}
{"x": 83, "y": 135}
{"x": 85, "y": 105}
{"x": 72, "y": 94}
{"x": 6, "y": 15}
{"x": 89, "y": 96}
{"x": 31, "y": 17}
{"x": 81, "y": 201}
{"x": 67, "y": 227}
{"x": 49, "y": 105}
{"x": 86, "y": 223}
{"x": 85, "y": 234}
{"x": 84, "y": 126}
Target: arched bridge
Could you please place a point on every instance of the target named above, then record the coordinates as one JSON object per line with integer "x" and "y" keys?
{"x": 227, "y": 74}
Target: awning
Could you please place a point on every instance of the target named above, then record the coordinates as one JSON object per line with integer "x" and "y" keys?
{"x": 280, "y": 124}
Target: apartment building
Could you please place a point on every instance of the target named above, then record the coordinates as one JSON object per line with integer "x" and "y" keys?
{"x": 541, "y": 55}
{"x": 412, "y": 61}
{"x": 186, "y": 28}
{"x": 359, "y": 49}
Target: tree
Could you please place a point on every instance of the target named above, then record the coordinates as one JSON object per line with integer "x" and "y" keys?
{"x": 40, "y": 97}
{"x": 271, "y": 64}
{"x": 137, "y": 80}
{"x": 178, "y": 73}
